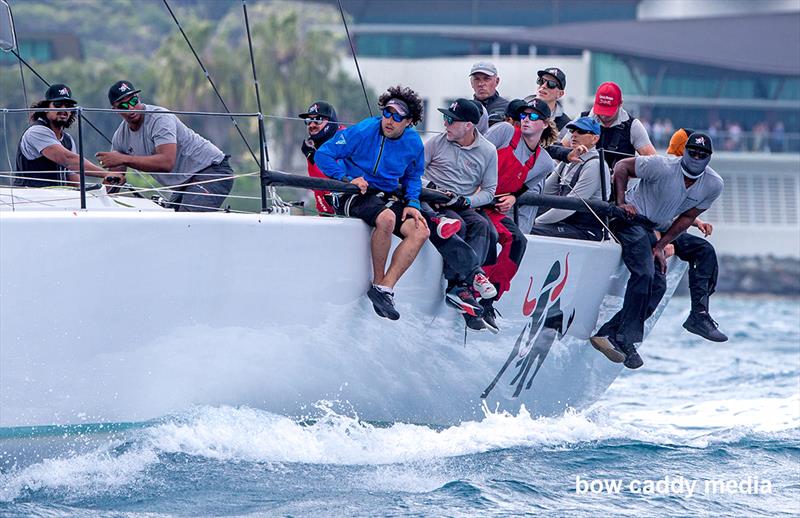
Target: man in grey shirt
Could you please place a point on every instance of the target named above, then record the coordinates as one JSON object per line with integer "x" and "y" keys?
{"x": 671, "y": 193}
{"x": 579, "y": 180}
{"x": 484, "y": 80}
{"x": 177, "y": 157}
{"x": 47, "y": 156}
{"x": 462, "y": 162}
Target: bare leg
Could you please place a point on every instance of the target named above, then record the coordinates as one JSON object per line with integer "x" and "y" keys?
{"x": 406, "y": 252}
{"x": 380, "y": 244}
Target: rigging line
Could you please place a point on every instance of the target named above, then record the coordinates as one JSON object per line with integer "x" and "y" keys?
{"x": 211, "y": 81}
{"x": 355, "y": 58}
{"x": 21, "y": 75}
{"x": 8, "y": 157}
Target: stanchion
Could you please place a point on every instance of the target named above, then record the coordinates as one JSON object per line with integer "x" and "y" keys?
{"x": 81, "y": 168}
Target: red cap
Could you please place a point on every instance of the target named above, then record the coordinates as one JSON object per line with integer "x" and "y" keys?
{"x": 607, "y": 99}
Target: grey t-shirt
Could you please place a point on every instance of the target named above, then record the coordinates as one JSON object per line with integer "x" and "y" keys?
{"x": 661, "y": 194}
{"x": 194, "y": 152}
{"x": 462, "y": 169}
{"x": 37, "y": 137}
{"x": 588, "y": 186}
{"x": 500, "y": 135}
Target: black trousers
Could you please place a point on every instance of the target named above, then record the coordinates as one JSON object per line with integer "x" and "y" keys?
{"x": 703, "y": 268}
{"x": 645, "y": 288}
{"x": 464, "y": 252}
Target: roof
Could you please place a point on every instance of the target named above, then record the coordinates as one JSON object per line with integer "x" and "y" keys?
{"x": 758, "y": 43}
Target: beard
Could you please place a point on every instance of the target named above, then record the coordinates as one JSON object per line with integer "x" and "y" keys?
{"x": 62, "y": 123}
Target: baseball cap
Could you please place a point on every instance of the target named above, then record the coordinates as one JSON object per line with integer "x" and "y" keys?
{"x": 539, "y": 106}
{"x": 700, "y": 141}
{"x": 514, "y": 107}
{"x": 399, "y": 105}
{"x": 59, "y": 92}
{"x": 483, "y": 67}
{"x": 585, "y": 124}
{"x": 462, "y": 110}
{"x": 120, "y": 90}
{"x": 318, "y": 109}
{"x": 555, "y": 72}
{"x": 607, "y": 99}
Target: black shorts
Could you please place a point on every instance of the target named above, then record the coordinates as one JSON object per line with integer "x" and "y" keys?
{"x": 367, "y": 207}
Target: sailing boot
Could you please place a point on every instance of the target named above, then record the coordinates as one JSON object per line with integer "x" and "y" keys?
{"x": 703, "y": 325}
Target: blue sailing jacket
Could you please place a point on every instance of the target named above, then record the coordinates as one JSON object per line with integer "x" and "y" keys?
{"x": 386, "y": 164}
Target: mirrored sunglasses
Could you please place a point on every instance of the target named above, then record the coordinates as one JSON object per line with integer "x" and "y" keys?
{"x": 127, "y": 105}
{"x": 389, "y": 114}
{"x": 317, "y": 120}
{"x": 532, "y": 116}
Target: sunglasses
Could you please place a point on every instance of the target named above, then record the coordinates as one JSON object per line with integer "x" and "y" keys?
{"x": 317, "y": 120}
{"x": 697, "y": 154}
{"x": 549, "y": 82}
{"x": 532, "y": 116}
{"x": 448, "y": 119}
{"x": 62, "y": 104}
{"x": 388, "y": 114}
{"x": 582, "y": 131}
{"x": 127, "y": 105}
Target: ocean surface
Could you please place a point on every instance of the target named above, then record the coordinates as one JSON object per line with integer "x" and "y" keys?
{"x": 702, "y": 429}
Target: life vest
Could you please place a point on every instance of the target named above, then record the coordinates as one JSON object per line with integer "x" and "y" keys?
{"x": 511, "y": 173}
{"x": 577, "y": 218}
{"x": 616, "y": 138}
{"x": 54, "y": 174}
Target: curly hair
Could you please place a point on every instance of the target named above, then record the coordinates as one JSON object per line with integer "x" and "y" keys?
{"x": 43, "y": 115}
{"x": 550, "y": 134}
{"x": 408, "y": 96}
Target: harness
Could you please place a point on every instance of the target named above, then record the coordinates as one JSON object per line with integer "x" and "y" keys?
{"x": 616, "y": 139}
{"x": 577, "y": 218}
{"x": 52, "y": 174}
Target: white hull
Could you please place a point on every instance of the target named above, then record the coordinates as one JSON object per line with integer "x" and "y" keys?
{"x": 127, "y": 316}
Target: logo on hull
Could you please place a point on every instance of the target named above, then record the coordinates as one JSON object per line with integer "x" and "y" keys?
{"x": 546, "y": 323}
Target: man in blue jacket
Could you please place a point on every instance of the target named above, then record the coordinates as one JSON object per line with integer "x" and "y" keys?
{"x": 383, "y": 156}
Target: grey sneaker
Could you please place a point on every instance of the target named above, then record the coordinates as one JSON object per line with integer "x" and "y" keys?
{"x": 632, "y": 358}
{"x": 383, "y": 303}
{"x": 490, "y": 315}
{"x": 703, "y": 325}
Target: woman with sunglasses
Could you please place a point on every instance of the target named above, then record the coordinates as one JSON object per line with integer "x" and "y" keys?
{"x": 46, "y": 154}
{"x": 551, "y": 83}
{"x": 195, "y": 170}
{"x": 522, "y": 165}
{"x": 383, "y": 156}
{"x": 321, "y": 124}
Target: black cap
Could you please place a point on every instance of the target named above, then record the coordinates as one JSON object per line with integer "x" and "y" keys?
{"x": 539, "y": 106}
{"x": 555, "y": 72}
{"x": 318, "y": 109}
{"x": 514, "y": 107}
{"x": 463, "y": 110}
{"x": 700, "y": 141}
{"x": 121, "y": 90}
{"x": 59, "y": 92}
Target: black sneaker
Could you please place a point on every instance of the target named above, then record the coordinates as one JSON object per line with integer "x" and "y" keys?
{"x": 461, "y": 298}
{"x": 608, "y": 347}
{"x": 474, "y": 323}
{"x": 383, "y": 303}
{"x": 490, "y": 315}
{"x": 703, "y": 325}
{"x": 632, "y": 358}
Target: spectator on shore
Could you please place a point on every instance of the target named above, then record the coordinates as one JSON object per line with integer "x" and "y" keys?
{"x": 777, "y": 139}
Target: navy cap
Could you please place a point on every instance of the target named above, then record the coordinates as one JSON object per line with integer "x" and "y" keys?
{"x": 539, "y": 106}
{"x": 463, "y": 110}
{"x": 121, "y": 90}
{"x": 701, "y": 141}
{"x": 585, "y": 124}
{"x": 555, "y": 72}
{"x": 318, "y": 109}
{"x": 514, "y": 107}
{"x": 59, "y": 92}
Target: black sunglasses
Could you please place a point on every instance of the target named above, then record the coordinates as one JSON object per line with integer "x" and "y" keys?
{"x": 698, "y": 154}
{"x": 549, "y": 82}
{"x": 62, "y": 104}
{"x": 581, "y": 131}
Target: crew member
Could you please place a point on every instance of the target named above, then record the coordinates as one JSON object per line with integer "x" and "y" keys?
{"x": 484, "y": 80}
{"x": 160, "y": 144}
{"x": 702, "y": 259}
{"x": 463, "y": 163}
{"x": 671, "y": 193}
{"x": 522, "y": 164}
{"x": 384, "y": 157}
{"x": 46, "y": 154}
{"x": 552, "y": 82}
{"x": 322, "y": 124}
{"x": 579, "y": 180}
{"x": 621, "y": 135}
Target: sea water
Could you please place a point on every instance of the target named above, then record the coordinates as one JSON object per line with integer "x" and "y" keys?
{"x": 702, "y": 429}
